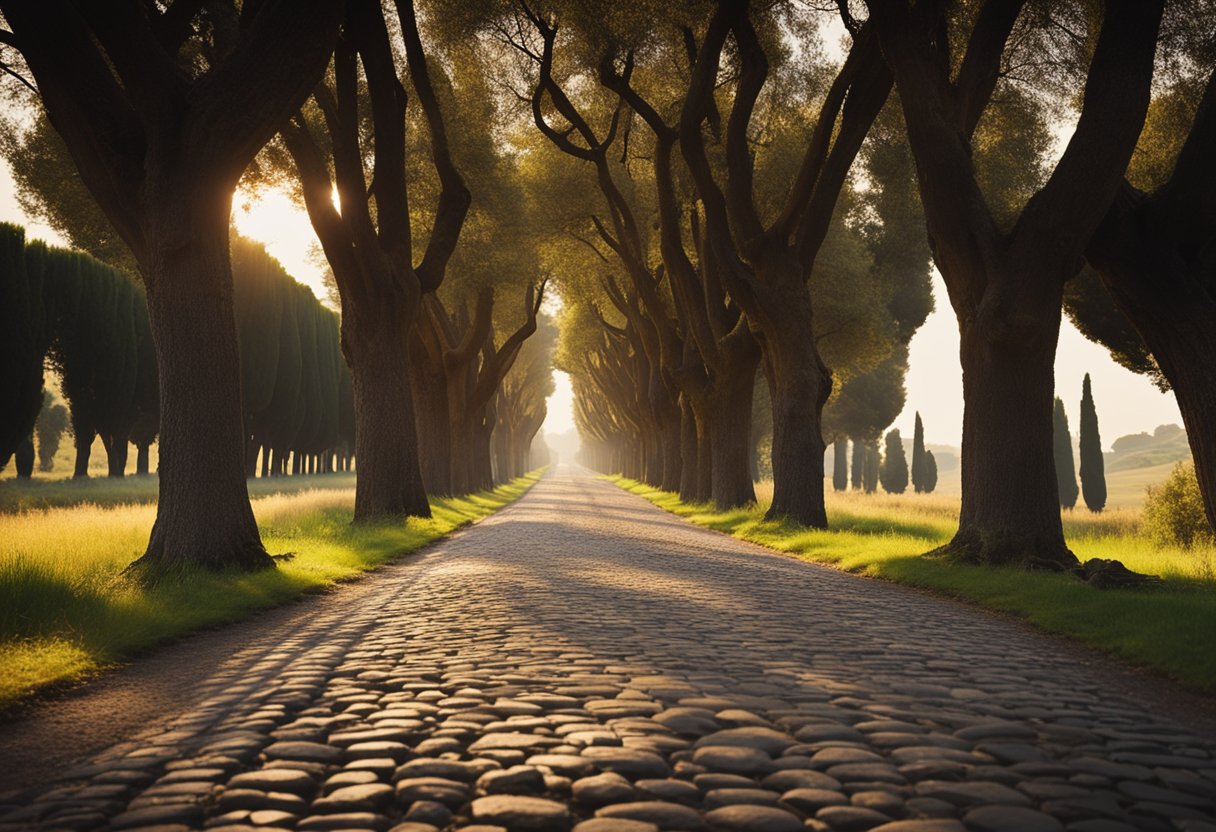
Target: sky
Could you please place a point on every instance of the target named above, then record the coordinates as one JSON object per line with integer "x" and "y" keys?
{"x": 1126, "y": 403}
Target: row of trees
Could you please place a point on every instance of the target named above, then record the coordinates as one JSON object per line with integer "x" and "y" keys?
{"x": 691, "y": 253}
{"x": 891, "y": 468}
{"x": 725, "y": 232}
{"x": 90, "y": 324}
{"x": 1093, "y": 466}
{"x": 163, "y": 108}
{"x": 978, "y": 88}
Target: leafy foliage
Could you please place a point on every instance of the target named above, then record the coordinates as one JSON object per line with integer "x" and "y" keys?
{"x": 1174, "y": 513}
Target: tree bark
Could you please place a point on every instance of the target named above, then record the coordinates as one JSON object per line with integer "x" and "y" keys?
{"x": 730, "y": 441}
{"x": 203, "y": 512}
{"x": 690, "y": 468}
{"x": 386, "y": 442}
{"x": 799, "y": 386}
{"x": 1010, "y": 512}
{"x": 431, "y": 413}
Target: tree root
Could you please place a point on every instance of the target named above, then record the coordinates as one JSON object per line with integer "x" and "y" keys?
{"x": 1112, "y": 574}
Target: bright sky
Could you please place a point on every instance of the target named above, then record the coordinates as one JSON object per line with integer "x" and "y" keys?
{"x": 1127, "y": 403}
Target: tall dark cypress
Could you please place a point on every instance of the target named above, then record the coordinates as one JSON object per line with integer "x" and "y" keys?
{"x": 96, "y": 352}
{"x": 21, "y": 348}
{"x": 893, "y": 474}
{"x": 1093, "y": 468}
{"x": 840, "y": 464}
{"x": 930, "y": 472}
{"x": 918, "y": 457}
{"x": 870, "y": 470}
{"x": 1066, "y": 472}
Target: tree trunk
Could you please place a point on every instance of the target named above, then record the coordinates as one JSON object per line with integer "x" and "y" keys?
{"x": 689, "y": 446}
{"x": 84, "y": 449}
{"x": 141, "y": 459}
{"x": 665, "y": 454}
{"x": 670, "y": 439}
{"x": 23, "y": 458}
{"x": 840, "y": 464}
{"x": 800, "y": 385}
{"x": 431, "y": 417}
{"x": 117, "y": 449}
{"x": 203, "y": 515}
{"x": 482, "y": 459}
{"x": 730, "y": 406}
{"x": 389, "y": 485}
{"x": 1010, "y": 512}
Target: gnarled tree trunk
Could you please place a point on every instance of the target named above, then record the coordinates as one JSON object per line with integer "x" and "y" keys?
{"x": 203, "y": 513}
{"x": 386, "y": 444}
{"x": 1010, "y": 507}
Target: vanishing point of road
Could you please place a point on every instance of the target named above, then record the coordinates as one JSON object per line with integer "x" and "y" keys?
{"x": 582, "y": 660}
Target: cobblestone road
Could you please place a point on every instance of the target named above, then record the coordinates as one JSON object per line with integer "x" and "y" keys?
{"x": 584, "y": 660}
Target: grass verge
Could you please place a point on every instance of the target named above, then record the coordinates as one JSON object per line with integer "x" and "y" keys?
{"x": 66, "y": 610}
{"x": 1168, "y": 628}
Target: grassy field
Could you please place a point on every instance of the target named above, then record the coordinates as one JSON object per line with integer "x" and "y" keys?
{"x": 66, "y": 610}
{"x": 1124, "y": 489}
{"x": 1168, "y": 628}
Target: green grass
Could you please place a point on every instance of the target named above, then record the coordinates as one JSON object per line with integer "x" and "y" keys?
{"x": 66, "y": 609}
{"x": 1168, "y": 628}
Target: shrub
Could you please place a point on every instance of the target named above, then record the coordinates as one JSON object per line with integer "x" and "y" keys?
{"x": 1173, "y": 511}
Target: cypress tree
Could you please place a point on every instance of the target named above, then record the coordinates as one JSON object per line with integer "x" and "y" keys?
{"x": 1066, "y": 473}
{"x": 96, "y": 352}
{"x": 840, "y": 464}
{"x": 930, "y": 472}
{"x": 22, "y": 335}
{"x": 310, "y": 387}
{"x": 280, "y": 420}
{"x": 918, "y": 457}
{"x": 872, "y": 463}
{"x": 859, "y": 464}
{"x": 258, "y": 284}
{"x": 894, "y": 471}
{"x": 1093, "y": 468}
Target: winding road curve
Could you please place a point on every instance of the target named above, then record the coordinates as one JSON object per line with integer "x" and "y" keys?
{"x": 584, "y": 660}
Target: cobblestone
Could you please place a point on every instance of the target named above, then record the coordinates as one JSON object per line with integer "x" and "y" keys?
{"x": 583, "y": 661}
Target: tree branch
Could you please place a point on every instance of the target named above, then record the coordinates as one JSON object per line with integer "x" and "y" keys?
{"x": 454, "y": 196}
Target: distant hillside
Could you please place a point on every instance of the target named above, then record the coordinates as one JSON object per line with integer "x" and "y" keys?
{"x": 1166, "y": 444}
